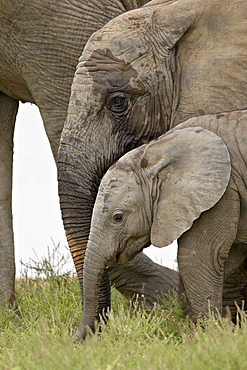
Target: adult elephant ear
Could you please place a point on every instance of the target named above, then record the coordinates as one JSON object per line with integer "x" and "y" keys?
{"x": 173, "y": 19}
{"x": 190, "y": 169}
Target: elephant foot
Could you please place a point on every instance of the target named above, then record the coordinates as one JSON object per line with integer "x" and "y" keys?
{"x": 17, "y": 311}
{"x": 8, "y": 301}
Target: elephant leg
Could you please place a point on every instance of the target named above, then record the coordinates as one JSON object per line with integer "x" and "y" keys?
{"x": 8, "y": 111}
{"x": 143, "y": 279}
{"x": 202, "y": 252}
{"x": 53, "y": 123}
{"x": 235, "y": 279}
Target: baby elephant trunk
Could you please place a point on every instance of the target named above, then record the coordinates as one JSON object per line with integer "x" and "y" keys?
{"x": 95, "y": 286}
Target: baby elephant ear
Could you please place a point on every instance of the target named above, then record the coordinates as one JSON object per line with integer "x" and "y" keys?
{"x": 190, "y": 169}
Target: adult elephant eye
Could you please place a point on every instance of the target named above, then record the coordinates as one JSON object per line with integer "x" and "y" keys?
{"x": 118, "y": 103}
{"x": 118, "y": 217}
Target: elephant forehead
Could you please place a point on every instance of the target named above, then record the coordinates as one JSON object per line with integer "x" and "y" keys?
{"x": 117, "y": 191}
{"x": 123, "y": 35}
{"x": 114, "y": 61}
{"x": 109, "y": 71}
{"x": 127, "y": 48}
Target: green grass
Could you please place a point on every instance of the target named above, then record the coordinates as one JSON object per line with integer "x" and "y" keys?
{"x": 133, "y": 339}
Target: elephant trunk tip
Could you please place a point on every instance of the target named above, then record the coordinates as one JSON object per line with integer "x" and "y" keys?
{"x": 85, "y": 331}
{"x": 82, "y": 333}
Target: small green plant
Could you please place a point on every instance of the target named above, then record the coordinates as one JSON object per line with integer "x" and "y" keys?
{"x": 50, "y": 266}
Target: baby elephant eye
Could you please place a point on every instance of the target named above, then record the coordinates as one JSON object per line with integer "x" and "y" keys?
{"x": 118, "y": 217}
{"x": 117, "y": 103}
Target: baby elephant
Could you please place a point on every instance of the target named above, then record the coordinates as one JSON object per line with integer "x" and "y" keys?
{"x": 190, "y": 185}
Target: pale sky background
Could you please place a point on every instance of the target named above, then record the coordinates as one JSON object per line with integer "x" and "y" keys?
{"x": 36, "y": 213}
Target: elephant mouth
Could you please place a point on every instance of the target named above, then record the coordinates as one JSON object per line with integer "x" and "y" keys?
{"x": 123, "y": 257}
{"x": 129, "y": 252}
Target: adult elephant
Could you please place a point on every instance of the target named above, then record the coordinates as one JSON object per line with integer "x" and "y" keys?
{"x": 141, "y": 74}
{"x": 40, "y": 43}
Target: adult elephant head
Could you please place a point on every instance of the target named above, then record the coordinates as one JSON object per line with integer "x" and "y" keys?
{"x": 141, "y": 74}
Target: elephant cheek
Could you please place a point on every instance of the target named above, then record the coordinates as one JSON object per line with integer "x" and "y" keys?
{"x": 131, "y": 249}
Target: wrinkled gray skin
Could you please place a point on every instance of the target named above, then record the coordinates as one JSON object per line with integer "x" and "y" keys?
{"x": 188, "y": 185}
{"x": 143, "y": 73}
{"x": 40, "y": 43}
